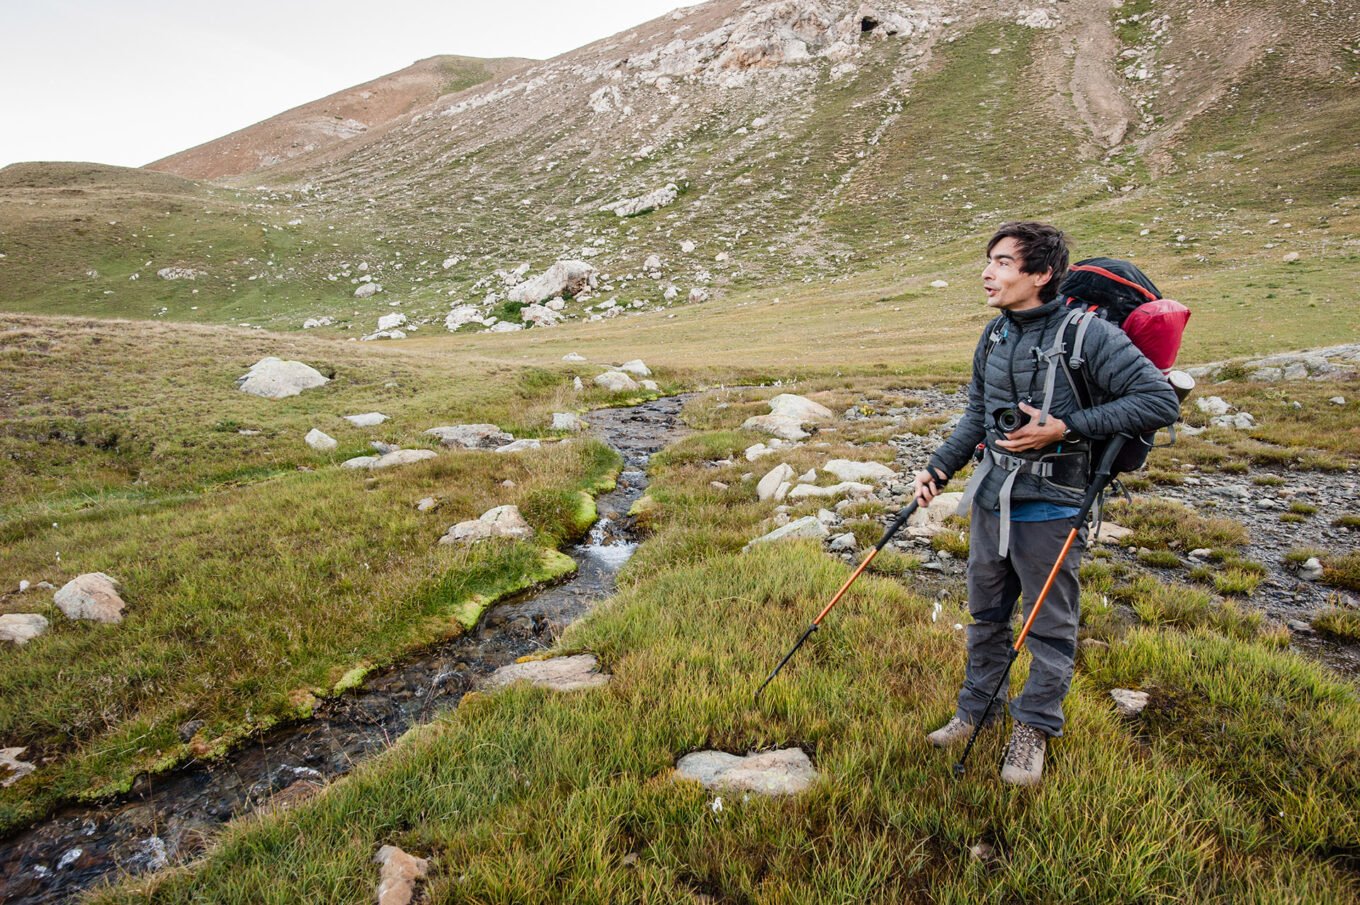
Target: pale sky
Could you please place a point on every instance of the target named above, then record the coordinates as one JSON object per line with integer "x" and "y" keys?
{"x": 130, "y": 81}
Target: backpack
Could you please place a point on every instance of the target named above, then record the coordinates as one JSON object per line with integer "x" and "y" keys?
{"x": 1120, "y": 293}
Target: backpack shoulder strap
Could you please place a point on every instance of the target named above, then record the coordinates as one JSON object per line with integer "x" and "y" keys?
{"x": 1074, "y": 334}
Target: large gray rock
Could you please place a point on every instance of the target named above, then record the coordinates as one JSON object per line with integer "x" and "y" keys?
{"x": 616, "y": 381}
{"x": 274, "y": 378}
{"x": 367, "y": 290}
{"x": 540, "y": 316}
{"x": 809, "y": 527}
{"x": 565, "y": 278}
{"x": 471, "y": 436}
{"x": 461, "y": 315}
{"x": 21, "y": 628}
{"x": 784, "y": 772}
{"x": 402, "y": 457}
{"x": 776, "y": 425}
{"x": 502, "y": 521}
{"x": 359, "y": 462}
{"x": 93, "y": 596}
{"x": 789, "y": 405}
{"x": 392, "y": 321}
{"x": 558, "y": 674}
{"x": 635, "y": 368}
{"x": 850, "y": 470}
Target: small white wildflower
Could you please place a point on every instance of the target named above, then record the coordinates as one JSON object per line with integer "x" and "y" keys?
{"x": 716, "y": 805}
{"x": 935, "y": 613}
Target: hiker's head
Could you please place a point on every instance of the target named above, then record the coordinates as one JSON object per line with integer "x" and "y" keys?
{"x": 1026, "y": 260}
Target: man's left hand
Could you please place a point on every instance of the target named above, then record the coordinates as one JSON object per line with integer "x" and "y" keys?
{"x": 1032, "y": 435}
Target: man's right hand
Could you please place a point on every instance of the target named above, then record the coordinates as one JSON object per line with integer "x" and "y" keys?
{"x": 927, "y": 485}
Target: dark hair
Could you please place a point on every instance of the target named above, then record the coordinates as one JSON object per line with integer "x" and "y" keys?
{"x": 1042, "y": 247}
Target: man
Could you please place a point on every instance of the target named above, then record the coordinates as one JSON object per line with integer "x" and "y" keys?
{"x": 1023, "y": 406}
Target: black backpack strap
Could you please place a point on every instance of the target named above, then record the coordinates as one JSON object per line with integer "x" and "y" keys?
{"x": 1074, "y": 331}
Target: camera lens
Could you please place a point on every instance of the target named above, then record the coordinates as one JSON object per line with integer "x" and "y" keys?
{"x": 1007, "y": 420}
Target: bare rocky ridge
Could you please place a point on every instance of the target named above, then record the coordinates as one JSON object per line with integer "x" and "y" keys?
{"x": 334, "y": 119}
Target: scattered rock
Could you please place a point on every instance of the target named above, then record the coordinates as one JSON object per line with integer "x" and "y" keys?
{"x": 810, "y": 490}
{"x": 367, "y": 290}
{"x": 312, "y": 323}
{"x": 402, "y": 457}
{"x": 557, "y": 674}
{"x": 1212, "y": 405}
{"x": 461, "y": 315}
{"x": 383, "y": 334}
{"x": 1110, "y": 533}
{"x": 502, "y": 521}
{"x": 687, "y": 246}
{"x": 635, "y": 367}
{"x": 21, "y": 628}
{"x": 717, "y": 485}
{"x": 784, "y": 772}
{"x": 391, "y": 321}
{"x": 652, "y": 264}
{"x": 939, "y": 284}
{"x": 931, "y": 518}
{"x": 1311, "y": 570}
{"x": 788, "y": 405}
{"x": 567, "y": 421}
{"x": 274, "y": 378}
{"x": 425, "y": 504}
{"x": 400, "y": 872}
{"x": 540, "y": 316}
{"x": 471, "y": 436}
{"x": 519, "y": 446}
{"x": 1300, "y": 627}
{"x": 359, "y": 462}
{"x": 368, "y": 419}
{"x": 1240, "y": 421}
{"x": 572, "y": 356}
{"x": 1127, "y": 702}
{"x": 983, "y": 851}
{"x": 850, "y": 470}
{"x": 92, "y": 596}
{"x": 616, "y": 381}
{"x": 768, "y": 486}
{"x": 698, "y": 294}
{"x": 1291, "y": 257}
{"x": 809, "y": 526}
{"x": 1094, "y": 644}
{"x": 17, "y": 769}
{"x": 1337, "y": 400}
{"x": 629, "y": 207}
{"x": 843, "y": 542}
{"x": 179, "y": 273}
{"x": 320, "y": 441}
{"x": 565, "y": 279}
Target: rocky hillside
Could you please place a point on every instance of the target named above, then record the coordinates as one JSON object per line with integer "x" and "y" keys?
{"x": 738, "y": 146}
{"x": 338, "y": 119}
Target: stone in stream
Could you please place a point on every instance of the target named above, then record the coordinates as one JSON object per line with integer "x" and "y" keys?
{"x": 21, "y": 628}
{"x": 92, "y": 596}
{"x": 784, "y": 772}
{"x": 399, "y": 874}
{"x": 1129, "y": 703}
{"x": 557, "y": 674}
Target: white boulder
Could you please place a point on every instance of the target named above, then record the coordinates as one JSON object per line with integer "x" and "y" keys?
{"x": 402, "y": 457}
{"x": 850, "y": 470}
{"x": 359, "y": 462}
{"x": 809, "y": 526}
{"x": 789, "y": 405}
{"x": 391, "y": 321}
{"x": 776, "y": 425}
{"x": 93, "y": 596}
{"x": 785, "y": 772}
{"x": 557, "y": 674}
{"x": 312, "y": 323}
{"x": 565, "y": 278}
{"x": 769, "y": 485}
{"x": 460, "y": 316}
{"x": 572, "y": 356}
{"x": 540, "y": 316}
{"x": 567, "y": 421}
{"x": 367, "y": 419}
{"x": 320, "y": 441}
{"x": 629, "y": 207}
{"x": 635, "y": 367}
{"x": 274, "y": 378}
{"x": 616, "y": 381}
{"x": 367, "y": 290}
{"x": 21, "y": 628}
{"x": 502, "y": 521}
{"x": 519, "y": 446}
{"x": 845, "y": 487}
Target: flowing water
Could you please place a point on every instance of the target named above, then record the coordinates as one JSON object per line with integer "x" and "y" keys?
{"x": 172, "y": 817}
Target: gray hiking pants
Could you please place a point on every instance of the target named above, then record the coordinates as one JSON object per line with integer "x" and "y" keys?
{"x": 994, "y": 583}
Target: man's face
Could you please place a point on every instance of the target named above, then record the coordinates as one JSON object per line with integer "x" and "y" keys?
{"x": 1007, "y": 288}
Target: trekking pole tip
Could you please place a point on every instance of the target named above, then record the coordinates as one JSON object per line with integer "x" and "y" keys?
{"x": 959, "y": 769}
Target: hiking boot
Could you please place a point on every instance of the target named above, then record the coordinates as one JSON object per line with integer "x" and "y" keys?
{"x": 954, "y": 732}
{"x": 1024, "y": 763}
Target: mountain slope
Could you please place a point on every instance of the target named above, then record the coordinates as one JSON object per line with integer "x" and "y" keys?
{"x": 334, "y": 120}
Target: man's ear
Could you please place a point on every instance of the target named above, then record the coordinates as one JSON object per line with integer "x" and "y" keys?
{"x": 1041, "y": 279}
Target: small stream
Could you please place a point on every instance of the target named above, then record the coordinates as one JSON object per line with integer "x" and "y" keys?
{"x": 170, "y": 818}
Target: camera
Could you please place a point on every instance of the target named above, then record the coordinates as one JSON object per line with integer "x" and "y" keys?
{"x": 1009, "y": 419}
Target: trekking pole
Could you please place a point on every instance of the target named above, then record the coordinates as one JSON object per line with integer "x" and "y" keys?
{"x": 1102, "y": 479}
{"x": 883, "y": 542}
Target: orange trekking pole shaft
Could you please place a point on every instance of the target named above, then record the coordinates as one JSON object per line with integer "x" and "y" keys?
{"x": 883, "y": 542}
{"x": 1104, "y": 474}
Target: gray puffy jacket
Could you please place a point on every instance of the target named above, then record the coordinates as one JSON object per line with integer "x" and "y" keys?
{"x": 1130, "y": 395}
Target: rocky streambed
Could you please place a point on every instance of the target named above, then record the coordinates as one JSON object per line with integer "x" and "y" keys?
{"x": 169, "y": 818}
